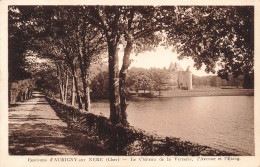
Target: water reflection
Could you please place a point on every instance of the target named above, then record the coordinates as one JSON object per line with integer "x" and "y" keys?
{"x": 223, "y": 122}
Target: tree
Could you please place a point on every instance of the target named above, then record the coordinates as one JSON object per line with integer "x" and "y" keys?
{"x": 71, "y": 41}
{"x": 205, "y": 33}
{"x": 222, "y": 34}
{"x": 160, "y": 78}
{"x": 240, "y": 60}
{"x": 215, "y": 81}
{"x": 80, "y": 42}
{"x": 140, "y": 79}
{"x": 89, "y": 41}
{"x": 99, "y": 85}
{"x": 153, "y": 79}
{"x": 18, "y": 41}
{"x": 133, "y": 25}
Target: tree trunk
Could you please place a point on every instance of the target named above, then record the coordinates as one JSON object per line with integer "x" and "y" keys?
{"x": 61, "y": 85}
{"x": 122, "y": 75}
{"x": 61, "y": 92}
{"x": 73, "y": 92}
{"x": 76, "y": 87}
{"x": 87, "y": 98}
{"x": 114, "y": 97}
{"x": 84, "y": 62}
{"x": 66, "y": 87}
{"x": 86, "y": 89}
{"x": 84, "y": 83}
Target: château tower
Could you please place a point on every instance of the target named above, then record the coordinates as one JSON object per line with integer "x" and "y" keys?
{"x": 179, "y": 78}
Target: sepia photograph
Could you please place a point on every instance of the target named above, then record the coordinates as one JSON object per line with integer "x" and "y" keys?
{"x": 175, "y": 81}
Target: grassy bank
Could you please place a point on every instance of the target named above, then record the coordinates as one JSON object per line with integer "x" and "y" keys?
{"x": 119, "y": 140}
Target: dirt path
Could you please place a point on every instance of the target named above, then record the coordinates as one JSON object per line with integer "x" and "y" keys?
{"x": 34, "y": 129}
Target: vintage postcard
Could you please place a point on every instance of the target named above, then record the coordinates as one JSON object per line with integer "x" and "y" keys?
{"x": 129, "y": 83}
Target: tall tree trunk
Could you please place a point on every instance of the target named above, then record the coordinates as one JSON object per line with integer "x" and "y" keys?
{"x": 61, "y": 87}
{"x": 122, "y": 75}
{"x": 84, "y": 63}
{"x": 61, "y": 92}
{"x": 114, "y": 97}
{"x": 76, "y": 86}
{"x": 86, "y": 89}
{"x": 84, "y": 83}
{"x": 87, "y": 98}
{"x": 73, "y": 92}
{"x": 78, "y": 94}
{"x": 66, "y": 87}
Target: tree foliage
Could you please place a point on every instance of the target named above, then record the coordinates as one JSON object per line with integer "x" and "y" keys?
{"x": 153, "y": 79}
{"x": 211, "y": 35}
{"x": 74, "y": 36}
{"x": 18, "y": 41}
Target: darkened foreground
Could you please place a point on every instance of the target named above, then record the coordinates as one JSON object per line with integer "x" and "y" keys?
{"x": 35, "y": 129}
{"x": 109, "y": 139}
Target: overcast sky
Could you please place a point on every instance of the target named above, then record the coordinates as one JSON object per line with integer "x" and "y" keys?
{"x": 161, "y": 58}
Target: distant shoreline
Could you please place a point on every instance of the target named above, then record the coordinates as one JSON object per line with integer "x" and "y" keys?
{"x": 209, "y": 92}
{"x": 200, "y": 92}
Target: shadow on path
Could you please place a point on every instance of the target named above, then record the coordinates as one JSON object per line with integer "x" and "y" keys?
{"x": 35, "y": 129}
{"x": 42, "y": 139}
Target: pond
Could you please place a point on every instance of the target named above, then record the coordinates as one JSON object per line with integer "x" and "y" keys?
{"x": 222, "y": 122}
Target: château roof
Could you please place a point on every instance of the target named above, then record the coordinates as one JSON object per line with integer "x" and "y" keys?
{"x": 188, "y": 69}
{"x": 175, "y": 67}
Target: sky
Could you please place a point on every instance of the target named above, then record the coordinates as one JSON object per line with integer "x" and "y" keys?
{"x": 161, "y": 58}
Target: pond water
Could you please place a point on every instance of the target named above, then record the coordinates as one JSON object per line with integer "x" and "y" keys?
{"x": 222, "y": 122}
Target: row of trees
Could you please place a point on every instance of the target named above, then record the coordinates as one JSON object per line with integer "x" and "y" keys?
{"x": 20, "y": 90}
{"x": 138, "y": 79}
{"x": 71, "y": 38}
{"x": 153, "y": 79}
{"x": 216, "y": 81}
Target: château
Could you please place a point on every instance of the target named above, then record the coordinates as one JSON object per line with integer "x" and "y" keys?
{"x": 180, "y": 79}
